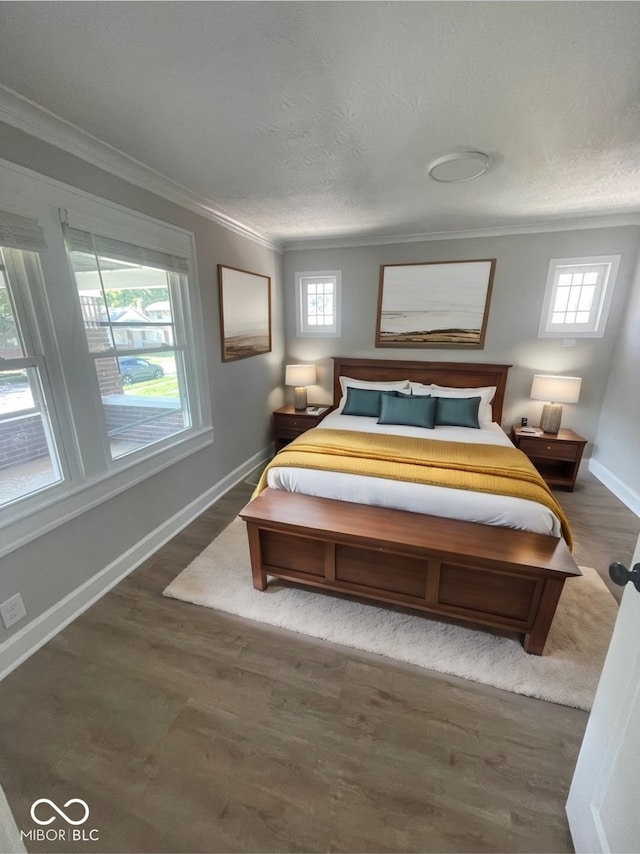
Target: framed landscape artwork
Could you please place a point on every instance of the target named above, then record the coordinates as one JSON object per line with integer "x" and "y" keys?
{"x": 443, "y": 304}
{"x": 245, "y": 313}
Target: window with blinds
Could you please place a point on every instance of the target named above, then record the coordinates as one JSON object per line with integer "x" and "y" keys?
{"x": 103, "y": 379}
{"x": 132, "y": 301}
{"x": 30, "y": 452}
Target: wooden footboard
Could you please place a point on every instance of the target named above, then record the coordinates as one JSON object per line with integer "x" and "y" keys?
{"x": 498, "y": 577}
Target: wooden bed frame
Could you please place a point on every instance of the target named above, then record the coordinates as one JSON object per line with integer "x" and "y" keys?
{"x": 498, "y": 577}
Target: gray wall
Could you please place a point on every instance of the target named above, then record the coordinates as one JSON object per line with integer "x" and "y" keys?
{"x": 516, "y": 304}
{"x": 617, "y": 441}
{"x": 243, "y": 395}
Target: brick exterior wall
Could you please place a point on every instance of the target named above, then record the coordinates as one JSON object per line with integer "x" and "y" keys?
{"x": 142, "y": 424}
{"x": 22, "y": 439}
{"x": 109, "y": 378}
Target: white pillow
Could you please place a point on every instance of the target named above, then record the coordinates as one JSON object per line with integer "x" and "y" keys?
{"x": 421, "y": 390}
{"x": 485, "y": 393}
{"x": 346, "y": 382}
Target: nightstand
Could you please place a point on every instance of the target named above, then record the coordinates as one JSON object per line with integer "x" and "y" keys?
{"x": 556, "y": 455}
{"x": 289, "y": 423}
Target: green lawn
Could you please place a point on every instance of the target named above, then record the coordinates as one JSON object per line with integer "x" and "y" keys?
{"x": 164, "y": 387}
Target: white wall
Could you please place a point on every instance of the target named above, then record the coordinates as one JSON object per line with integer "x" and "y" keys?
{"x": 516, "y": 303}
{"x": 616, "y": 455}
{"x": 62, "y": 568}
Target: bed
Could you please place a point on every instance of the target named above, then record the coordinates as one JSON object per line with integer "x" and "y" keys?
{"x": 499, "y": 560}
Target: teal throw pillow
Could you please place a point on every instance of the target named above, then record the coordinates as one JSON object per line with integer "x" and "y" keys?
{"x": 457, "y": 411}
{"x": 363, "y": 401}
{"x": 407, "y": 410}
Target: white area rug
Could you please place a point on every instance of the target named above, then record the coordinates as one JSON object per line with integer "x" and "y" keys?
{"x": 567, "y": 673}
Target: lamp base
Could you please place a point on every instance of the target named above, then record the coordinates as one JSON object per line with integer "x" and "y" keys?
{"x": 300, "y": 398}
{"x": 551, "y": 417}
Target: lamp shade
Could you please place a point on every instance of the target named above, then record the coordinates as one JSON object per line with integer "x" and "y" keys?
{"x": 556, "y": 389}
{"x": 300, "y": 375}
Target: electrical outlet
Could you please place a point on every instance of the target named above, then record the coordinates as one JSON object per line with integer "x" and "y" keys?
{"x": 12, "y": 611}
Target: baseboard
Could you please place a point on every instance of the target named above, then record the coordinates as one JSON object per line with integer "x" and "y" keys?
{"x": 614, "y": 484}
{"x": 35, "y": 634}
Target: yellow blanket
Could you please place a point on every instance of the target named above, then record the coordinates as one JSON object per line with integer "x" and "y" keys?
{"x": 496, "y": 469}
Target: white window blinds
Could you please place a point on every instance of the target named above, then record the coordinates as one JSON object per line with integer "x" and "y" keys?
{"x": 21, "y": 232}
{"x": 85, "y": 241}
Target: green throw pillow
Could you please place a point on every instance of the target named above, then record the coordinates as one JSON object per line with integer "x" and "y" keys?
{"x": 404, "y": 409}
{"x": 457, "y": 411}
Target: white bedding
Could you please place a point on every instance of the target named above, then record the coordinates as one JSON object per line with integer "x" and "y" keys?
{"x": 420, "y": 498}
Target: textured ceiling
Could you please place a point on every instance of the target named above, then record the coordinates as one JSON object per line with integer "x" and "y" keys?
{"x": 304, "y": 119}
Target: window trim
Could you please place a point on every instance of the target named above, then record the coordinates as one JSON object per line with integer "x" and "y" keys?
{"x": 303, "y": 330}
{"x": 130, "y": 227}
{"x": 60, "y": 506}
{"x": 547, "y": 329}
{"x": 25, "y": 282}
{"x": 178, "y": 285}
{"x": 90, "y": 482}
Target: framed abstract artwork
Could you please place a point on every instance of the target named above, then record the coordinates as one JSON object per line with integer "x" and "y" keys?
{"x": 245, "y": 313}
{"x": 435, "y": 304}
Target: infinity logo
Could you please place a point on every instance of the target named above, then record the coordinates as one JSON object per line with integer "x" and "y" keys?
{"x": 57, "y": 809}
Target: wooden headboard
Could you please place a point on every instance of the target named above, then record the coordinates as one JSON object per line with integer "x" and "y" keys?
{"x": 455, "y": 374}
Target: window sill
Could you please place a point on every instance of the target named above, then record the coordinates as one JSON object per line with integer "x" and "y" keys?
{"x": 60, "y": 504}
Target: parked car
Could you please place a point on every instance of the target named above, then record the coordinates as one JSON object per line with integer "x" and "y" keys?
{"x": 134, "y": 370}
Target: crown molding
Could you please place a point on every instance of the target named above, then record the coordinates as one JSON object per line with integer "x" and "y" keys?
{"x": 27, "y": 116}
{"x": 550, "y": 225}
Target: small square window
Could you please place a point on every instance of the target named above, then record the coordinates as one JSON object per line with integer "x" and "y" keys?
{"x": 577, "y": 297}
{"x": 318, "y": 304}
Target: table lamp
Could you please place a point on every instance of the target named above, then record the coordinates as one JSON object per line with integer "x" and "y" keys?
{"x": 554, "y": 390}
{"x": 300, "y": 376}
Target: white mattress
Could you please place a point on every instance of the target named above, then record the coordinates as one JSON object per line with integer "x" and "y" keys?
{"x": 471, "y": 506}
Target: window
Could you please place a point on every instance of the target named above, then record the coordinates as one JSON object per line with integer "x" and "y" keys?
{"x": 131, "y": 301}
{"x": 102, "y": 368}
{"x": 318, "y": 304}
{"x": 30, "y": 458}
{"x": 578, "y": 296}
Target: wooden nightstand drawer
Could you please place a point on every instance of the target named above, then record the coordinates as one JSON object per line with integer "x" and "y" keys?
{"x": 556, "y": 455}
{"x": 288, "y": 431}
{"x": 288, "y": 424}
{"x": 292, "y": 425}
{"x": 550, "y": 450}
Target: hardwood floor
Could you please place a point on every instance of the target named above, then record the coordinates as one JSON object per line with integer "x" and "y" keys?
{"x": 189, "y": 730}
{"x": 604, "y": 529}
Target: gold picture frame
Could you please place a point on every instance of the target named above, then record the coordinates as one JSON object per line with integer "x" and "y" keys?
{"x": 435, "y": 304}
{"x": 245, "y": 313}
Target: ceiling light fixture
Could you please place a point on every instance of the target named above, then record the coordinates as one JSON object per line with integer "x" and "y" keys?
{"x": 459, "y": 167}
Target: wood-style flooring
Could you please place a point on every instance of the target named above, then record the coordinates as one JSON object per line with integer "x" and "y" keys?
{"x": 187, "y": 730}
